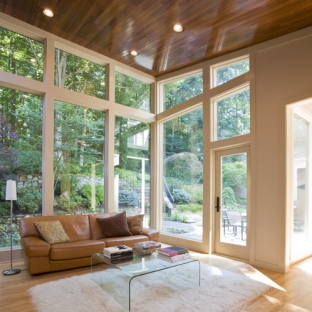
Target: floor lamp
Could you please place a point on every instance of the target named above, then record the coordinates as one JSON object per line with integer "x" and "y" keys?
{"x": 11, "y": 195}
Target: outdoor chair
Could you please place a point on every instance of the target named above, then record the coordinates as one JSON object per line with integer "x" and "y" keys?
{"x": 235, "y": 219}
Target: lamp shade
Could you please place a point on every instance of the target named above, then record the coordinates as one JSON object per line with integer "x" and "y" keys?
{"x": 10, "y": 190}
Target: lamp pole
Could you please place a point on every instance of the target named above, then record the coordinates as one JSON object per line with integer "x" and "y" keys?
{"x": 11, "y": 195}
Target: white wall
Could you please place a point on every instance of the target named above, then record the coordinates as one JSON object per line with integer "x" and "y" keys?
{"x": 283, "y": 73}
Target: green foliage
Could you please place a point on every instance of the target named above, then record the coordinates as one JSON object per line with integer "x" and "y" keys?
{"x": 181, "y": 197}
{"x": 21, "y": 55}
{"x": 181, "y": 90}
{"x": 29, "y": 199}
{"x": 228, "y": 197}
{"x": 66, "y": 204}
{"x": 99, "y": 193}
{"x": 178, "y": 217}
{"x": 4, "y": 208}
{"x": 196, "y": 192}
{"x": 233, "y": 115}
{"x": 193, "y": 208}
{"x": 5, "y": 236}
{"x": 132, "y": 92}
{"x": 231, "y": 71}
{"x": 184, "y": 166}
{"x": 128, "y": 198}
{"x": 75, "y": 73}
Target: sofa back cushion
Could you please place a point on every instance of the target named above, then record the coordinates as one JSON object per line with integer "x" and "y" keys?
{"x": 95, "y": 228}
{"x": 75, "y": 226}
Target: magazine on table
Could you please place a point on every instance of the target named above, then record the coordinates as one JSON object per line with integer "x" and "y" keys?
{"x": 172, "y": 251}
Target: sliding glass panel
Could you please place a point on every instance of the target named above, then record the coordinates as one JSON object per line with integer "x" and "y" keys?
{"x": 183, "y": 172}
{"x": 132, "y": 167}
{"x": 179, "y": 91}
{"x": 78, "y": 159}
{"x": 232, "y": 115}
{"x": 132, "y": 92}
{"x": 20, "y": 158}
{"x": 77, "y": 74}
{"x": 21, "y": 55}
{"x": 229, "y": 71}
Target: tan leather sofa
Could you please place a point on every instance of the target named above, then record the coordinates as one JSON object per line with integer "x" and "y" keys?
{"x": 85, "y": 239}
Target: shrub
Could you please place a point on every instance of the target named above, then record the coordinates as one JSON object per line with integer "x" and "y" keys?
{"x": 181, "y": 197}
{"x": 99, "y": 193}
{"x": 228, "y": 197}
{"x": 190, "y": 207}
{"x": 128, "y": 198}
{"x": 196, "y": 192}
{"x": 65, "y": 203}
{"x": 5, "y": 208}
{"x": 29, "y": 199}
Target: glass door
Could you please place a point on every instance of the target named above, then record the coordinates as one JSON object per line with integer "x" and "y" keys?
{"x": 231, "y": 202}
{"x": 301, "y": 222}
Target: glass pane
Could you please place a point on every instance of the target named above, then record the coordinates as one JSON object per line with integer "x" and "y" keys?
{"x": 132, "y": 167}
{"x": 182, "y": 180}
{"x": 78, "y": 159}
{"x": 132, "y": 92}
{"x": 234, "y": 199}
{"x": 228, "y": 72}
{"x": 21, "y": 55}
{"x": 77, "y": 74}
{"x": 302, "y": 216}
{"x": 179, "y": 91}
{"x": 233, "y": 115}
{"x": 20, "y": 158}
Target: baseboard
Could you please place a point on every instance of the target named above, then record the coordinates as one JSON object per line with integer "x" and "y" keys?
{"x": 5, "y": 254}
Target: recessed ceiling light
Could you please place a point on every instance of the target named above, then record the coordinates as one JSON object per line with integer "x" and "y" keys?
{"x": 48, "y": 12}
{"x": 178, "y": 28}
{"x": 134, "y": 53}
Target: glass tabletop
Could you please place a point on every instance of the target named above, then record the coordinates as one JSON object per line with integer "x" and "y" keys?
{"x": 139, "y": 265}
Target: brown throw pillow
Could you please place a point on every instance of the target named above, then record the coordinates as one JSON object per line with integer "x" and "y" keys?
{"x": 52, "y": 232}
{"x": 115, "y": 226}
{"x": 135, "y": 224}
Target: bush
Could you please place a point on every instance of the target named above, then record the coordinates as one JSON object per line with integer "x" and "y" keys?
{"x": 99, "y": 193}
{"x": 5, "y": 208}
{"x": 196, "y": 192}
{"x": 65, "y": 203}
{"x": 190, "y": 207}
{"x": 29, "y": 199}
{"x": 128, "y": 198}
{"x": 228, "y": 197}
{"x": 181, "y": 197}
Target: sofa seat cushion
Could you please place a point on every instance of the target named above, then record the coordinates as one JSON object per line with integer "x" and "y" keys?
{"x": 125, "y": 240}
{"x": 34, "y": 246}
{"x": 76, "y": 250}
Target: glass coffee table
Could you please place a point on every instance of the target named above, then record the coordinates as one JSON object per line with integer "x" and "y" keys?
{"x": 117, "y": 280}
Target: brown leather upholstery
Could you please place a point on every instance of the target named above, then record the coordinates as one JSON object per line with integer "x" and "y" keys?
{"x": 86, "y": 239}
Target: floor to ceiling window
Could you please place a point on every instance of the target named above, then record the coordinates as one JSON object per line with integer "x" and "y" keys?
{"x": 78, "y": 159}
{"x": 132, "y": 167}
{"x": 20, "y": 157}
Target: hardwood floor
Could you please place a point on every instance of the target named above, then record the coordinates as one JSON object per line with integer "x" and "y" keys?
{"x": 289, "y": 292}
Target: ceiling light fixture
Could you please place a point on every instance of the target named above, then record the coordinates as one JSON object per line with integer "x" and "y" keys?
{"x": 178, "y": 28}
{"x": 134, "y": 53}
{"x": 48, "y": 12}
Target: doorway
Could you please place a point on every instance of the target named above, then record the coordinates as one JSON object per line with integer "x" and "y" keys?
{"x": 301, "y": 160}
{"x": 232, "y": 202}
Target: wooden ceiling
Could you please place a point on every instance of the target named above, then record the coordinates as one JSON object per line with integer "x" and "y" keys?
{"x": 211, "y": 27}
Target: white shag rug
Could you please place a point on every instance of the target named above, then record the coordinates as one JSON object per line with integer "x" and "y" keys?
{"x": 167, "y": 291}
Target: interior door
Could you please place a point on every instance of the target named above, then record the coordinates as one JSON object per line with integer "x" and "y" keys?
{"x": 232, "y": 202}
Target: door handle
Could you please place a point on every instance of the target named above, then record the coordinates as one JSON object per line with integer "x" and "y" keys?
{"x": 218, "y": 204}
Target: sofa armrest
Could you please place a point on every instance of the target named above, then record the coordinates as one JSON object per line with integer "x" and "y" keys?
{"x": 34, "y": 246}
{"x": 153, "y": 235}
